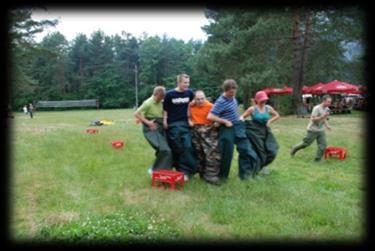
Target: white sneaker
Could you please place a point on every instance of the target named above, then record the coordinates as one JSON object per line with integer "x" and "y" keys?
{"x": 265, "y": 171}
{"x": 186, "y": 177}
{"x": 149, "y": 171}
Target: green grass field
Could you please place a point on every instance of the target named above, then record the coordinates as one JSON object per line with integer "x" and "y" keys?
{"x": 70, "y": 185}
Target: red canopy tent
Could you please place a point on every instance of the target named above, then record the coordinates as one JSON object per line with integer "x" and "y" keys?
{"x": 360, "y": 90}
{"x": 333, "y": 87}
{"x": 315, "y": 89}
{"x": 338, "y": 87}
{"x": 306, "y": 89}
{"x": 285, "y": 90}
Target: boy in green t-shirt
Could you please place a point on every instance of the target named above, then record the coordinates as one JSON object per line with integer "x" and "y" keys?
{"x": 315, "y": 129}
{"x": 150, "y": 113}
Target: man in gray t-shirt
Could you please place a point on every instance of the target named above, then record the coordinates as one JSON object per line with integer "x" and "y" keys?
{"x": 315, "y": 129}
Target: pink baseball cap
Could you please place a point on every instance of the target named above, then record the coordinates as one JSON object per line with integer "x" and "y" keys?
{"x": 261, "y": 96}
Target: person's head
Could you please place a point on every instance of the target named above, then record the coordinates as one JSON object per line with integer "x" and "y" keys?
{"x": 261, "y": 98}
{"x": 183, "y": 82}
{"x": 200, "y": 97}
{"x": 230, "y": 87}
{"x": 326, "y": 100}
{"x": 159, "y": 93}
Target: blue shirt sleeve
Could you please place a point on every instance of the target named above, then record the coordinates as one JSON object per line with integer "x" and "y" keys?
{"x": 217, "y": 109}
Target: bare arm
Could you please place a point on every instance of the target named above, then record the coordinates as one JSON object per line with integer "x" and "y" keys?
{"x": 217, "y": 119}
{"x": 327, "y": 125}
{"x": 149, "y": 123}
{"x": 247, "y": 113}
{"x": 191, "y": 123}
{"x": 318, "y": 118}
{"x": 275, "y": 115}
{"x": 165, "y": 116}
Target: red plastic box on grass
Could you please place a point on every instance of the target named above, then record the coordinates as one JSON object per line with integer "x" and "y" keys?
{"x": 117, "y": 144}
{"x": 165, "y": 176}
{"x": 335, "y": 151}
{"x": 92, "y": 130}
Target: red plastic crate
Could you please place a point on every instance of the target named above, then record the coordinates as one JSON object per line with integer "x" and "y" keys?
{"x": 117, "y": 144}
{"x": 335, "y": 151}
{"x": 165, "y": 176}
{"x": 92, "y": 130}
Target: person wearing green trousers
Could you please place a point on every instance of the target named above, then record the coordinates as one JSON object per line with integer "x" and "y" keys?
{"x": 232, "y": 132}
{"x": 150, "y": 113}
{"x": 315, "y": 129}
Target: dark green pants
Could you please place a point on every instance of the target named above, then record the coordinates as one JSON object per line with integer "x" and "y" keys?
{"x": 263, "y": 141}
{"x": 158, "y": 141}
{"x": 247, "y": 159}
{"x": 309, "y": 138}
{"x": 179, "y": 139}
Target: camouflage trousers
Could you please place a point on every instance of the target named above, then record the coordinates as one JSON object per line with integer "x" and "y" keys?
{"x": 206, "y": 148}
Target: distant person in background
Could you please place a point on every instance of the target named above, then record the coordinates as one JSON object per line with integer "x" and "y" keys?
{"x": 309, "y": 104}
{"x": 315, "y": 129}
{"x": 25, "y": 109}
{"x": 150, "y": 113}
{"x": 30, "y": 109}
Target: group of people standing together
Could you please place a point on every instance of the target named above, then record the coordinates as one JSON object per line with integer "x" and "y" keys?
{"x": 193, "y": 135}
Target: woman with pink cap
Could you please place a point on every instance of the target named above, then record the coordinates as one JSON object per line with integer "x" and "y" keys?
{"x": 259, "y": 132}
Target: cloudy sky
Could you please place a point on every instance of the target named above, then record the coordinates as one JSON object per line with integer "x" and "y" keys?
{"x": 180, "y": 24}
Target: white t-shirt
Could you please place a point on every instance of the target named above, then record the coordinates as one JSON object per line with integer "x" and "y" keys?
{"x": 317, "y": 126}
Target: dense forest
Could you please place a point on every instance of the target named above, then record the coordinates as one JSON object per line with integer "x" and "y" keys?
{"x": 257, "y": 47}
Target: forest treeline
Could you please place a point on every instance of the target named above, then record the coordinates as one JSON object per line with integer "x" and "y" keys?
{"x": 258, "y": 48}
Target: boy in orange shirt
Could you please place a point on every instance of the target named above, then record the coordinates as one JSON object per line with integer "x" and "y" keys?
{"x": 204, "y": 139}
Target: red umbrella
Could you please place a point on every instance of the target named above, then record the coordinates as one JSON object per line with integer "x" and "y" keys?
{"x": 285, "y": 90}
{"x": 316, "y": 89}
{"x": 360, "y": 90}
{"x": 306, "y": 89}
{"x": 337, "y": 87}
{"x": 267, "y": 90}
{"x": 288, "y": 90}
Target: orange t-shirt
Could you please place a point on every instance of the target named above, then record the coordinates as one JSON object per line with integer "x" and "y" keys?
{"x": 199, "y": 113}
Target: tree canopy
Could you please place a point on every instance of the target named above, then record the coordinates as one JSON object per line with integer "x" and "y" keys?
{"x": 257, "y": 47}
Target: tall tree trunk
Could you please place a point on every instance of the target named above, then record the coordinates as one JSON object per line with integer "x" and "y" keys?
{"x": 246, "y": 96}
{"x": 301, "y": 45}
{"x": 296, "y": 38}
{"x": 306, "y": 46}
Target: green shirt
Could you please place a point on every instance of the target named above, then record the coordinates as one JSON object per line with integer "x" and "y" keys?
{"x": 151, "y": 109}
{"x": 317, "y": 126}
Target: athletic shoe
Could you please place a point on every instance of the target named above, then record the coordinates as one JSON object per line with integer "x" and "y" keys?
{"x": 149, "y": 171}
{"x": 265, "y": 171}
{"x": 186, "y": 177}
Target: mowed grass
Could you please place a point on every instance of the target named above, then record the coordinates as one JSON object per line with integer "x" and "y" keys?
{"x": 70, "y": 185}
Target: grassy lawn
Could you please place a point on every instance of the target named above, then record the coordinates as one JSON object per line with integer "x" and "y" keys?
{"x": 66, "y": 184}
